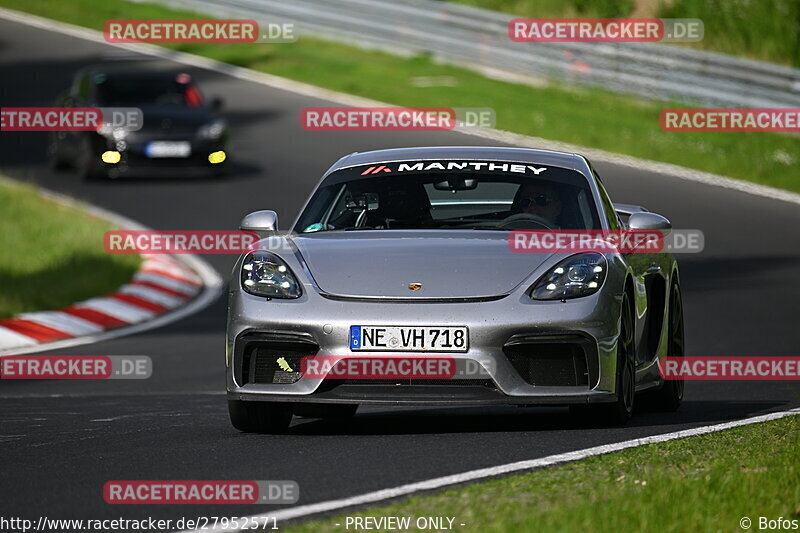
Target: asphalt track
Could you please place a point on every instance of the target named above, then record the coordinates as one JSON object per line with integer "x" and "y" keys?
{"x": 60, "y": 441}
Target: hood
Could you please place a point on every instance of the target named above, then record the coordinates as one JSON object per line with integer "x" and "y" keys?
{"x": 448, "y": 264}
{"x": 174, "y": 119}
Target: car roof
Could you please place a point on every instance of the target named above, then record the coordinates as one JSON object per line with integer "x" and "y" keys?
{"x": 131, "y": 69}
{"x": 467, "y": 153}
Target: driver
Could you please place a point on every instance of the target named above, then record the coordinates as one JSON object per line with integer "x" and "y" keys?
{"x": 541, "y": 200}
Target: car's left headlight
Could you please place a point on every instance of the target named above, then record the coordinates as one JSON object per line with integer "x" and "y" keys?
{"x": 108, "y": 132}
{"x": 266, "y": 274}
{"x": 212, "y": 130}
{"x": 576, "y": 276}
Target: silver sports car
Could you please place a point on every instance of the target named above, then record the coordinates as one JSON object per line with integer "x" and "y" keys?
{"x": 405, "y": 257}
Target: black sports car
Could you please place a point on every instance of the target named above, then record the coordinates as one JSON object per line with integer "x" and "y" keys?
{"x": 181, "y": 134}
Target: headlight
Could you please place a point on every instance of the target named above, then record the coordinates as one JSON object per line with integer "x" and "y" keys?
{"x": 212, "y": 130}
{"x": 265, "y": 274}
{"x": 575, "y": 276}
{"x": 108, "y": 132}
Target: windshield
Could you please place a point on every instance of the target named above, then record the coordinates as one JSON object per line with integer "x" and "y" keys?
{"x": 459, "y": 195}
{"x": 132, "y": 91}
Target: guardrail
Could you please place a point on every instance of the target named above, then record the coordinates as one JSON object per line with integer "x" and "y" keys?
{"x": 478, "y": 38}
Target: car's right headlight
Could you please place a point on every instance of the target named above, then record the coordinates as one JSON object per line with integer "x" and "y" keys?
{"x": 108, "y": 132}
{"x": 266, "y": 274}
{"x": 576, "y": 276}
{"x": 212, "y": 130}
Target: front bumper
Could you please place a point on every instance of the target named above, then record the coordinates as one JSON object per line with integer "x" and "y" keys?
{"x": 134, "y": 161}
{"x": 531, "y": 352}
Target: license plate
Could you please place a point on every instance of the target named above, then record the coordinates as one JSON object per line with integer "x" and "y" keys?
{"x": 409, "y": 338}
{"x": 159, "y": 149}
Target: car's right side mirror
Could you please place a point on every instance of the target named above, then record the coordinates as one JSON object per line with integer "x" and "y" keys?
{"x": 649, "y": 221}
{"x": 216, "y": 104}
{"x": 263, "y": 223}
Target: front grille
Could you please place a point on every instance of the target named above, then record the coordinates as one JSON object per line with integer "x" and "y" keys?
{"x": 271, "y": 358}
{"x": 543, "y": 364}
{"x": 266, "y": 365}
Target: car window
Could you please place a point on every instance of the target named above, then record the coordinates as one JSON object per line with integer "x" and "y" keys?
{"x": 80, "y": 88}
{"x": 482, "y": 200}
{"x": 475, "y": 200}
{"x": 121, "y": 91}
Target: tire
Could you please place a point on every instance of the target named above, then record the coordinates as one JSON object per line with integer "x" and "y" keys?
{"x": 670, "y": 396}
{"x": 55, "y": 159}
{"x": 618, "y": 412}
{"x": 323, "y": 410}
{"x": 260, "y": 417}
{"x": 87, "y": 168}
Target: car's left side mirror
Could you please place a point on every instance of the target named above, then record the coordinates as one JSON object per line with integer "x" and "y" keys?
{"x": 216, "y": 104}
{"x": 649, "y": 221}
{"x": 263, "y": 223}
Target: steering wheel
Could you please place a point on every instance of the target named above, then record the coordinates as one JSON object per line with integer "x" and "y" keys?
{"x": 524, "y": 221}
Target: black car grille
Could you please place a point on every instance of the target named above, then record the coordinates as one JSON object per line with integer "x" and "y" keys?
{"x": 271, "y": 358}
{"x": 545, "y": 363}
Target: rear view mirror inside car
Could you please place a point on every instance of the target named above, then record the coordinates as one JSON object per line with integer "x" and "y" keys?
{"x": 456, "y": 184}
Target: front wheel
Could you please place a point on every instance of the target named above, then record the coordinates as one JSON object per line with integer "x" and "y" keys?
{"x": 87, "y": 163}
{"x": 54, "y": 156}
{"x": 670, "y": 395}
{"x": 618, "y": 412}
{"x": 260, "y": 417}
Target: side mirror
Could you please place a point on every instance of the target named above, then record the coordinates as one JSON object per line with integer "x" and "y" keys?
{"x": 216, "y": 104}
{"x": 263, "y": 223}
{"x": 649, "y": 221}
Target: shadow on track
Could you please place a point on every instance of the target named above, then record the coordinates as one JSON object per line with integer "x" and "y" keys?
{"x": 516, "y": 419}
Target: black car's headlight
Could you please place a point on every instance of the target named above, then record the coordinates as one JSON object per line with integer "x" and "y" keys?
{"x": 575, "y": 276}
{"x": 117, "y": 134}
{"x": 212, "y": 131}
{"x": 266, "y": 274}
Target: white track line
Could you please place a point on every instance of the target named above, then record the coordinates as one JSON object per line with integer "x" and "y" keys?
{"x": 312, "y": 91}
{"x": 484, "y": 473}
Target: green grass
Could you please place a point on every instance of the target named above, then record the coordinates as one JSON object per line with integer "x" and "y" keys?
{"x": 53, "y": 255}
{"x": 761, "y": 29}
{"x": 705, "y": 483}
{"x": 587, "y": 117}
